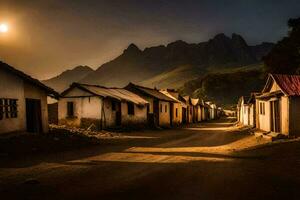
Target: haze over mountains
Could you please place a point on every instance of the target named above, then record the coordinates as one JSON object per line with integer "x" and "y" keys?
{"x": 170, "y": 66}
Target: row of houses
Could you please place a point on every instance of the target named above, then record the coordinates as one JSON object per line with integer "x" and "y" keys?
{"x": 23, "y": 105}
{"x": 84, "y": 105}
{"x": 276, "y": 108}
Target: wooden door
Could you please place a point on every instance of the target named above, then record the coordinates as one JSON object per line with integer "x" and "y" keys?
{"x": 275, "y": 116}
{"x": 34, "y": 116}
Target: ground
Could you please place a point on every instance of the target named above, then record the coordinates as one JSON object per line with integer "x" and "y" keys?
{"x": 215, "y": 160}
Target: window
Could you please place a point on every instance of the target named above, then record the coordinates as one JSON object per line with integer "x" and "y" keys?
{"x": 262, "y": 110}
{"x": 130, "y": 108}
{"x": 176, "y": 112}
{"x": 160, "y": 108}
{"x": 8, "y": 108}
{"x": 13, "y": 108}
{"x": 166, "y": 108}
{"x": 70, "y": 109}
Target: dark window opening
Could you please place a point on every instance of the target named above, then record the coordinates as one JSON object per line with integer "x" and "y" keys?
{"x": 1, "y": 109}
{"x": 8, "y": 108}
{"x": 130, "y": 108}
{"x": 161, "y": 108}
{"x": 113, "y": 106}
{"x": 70, "y": 109}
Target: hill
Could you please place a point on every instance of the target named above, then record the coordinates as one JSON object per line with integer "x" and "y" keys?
{"x": 63, "y": 80}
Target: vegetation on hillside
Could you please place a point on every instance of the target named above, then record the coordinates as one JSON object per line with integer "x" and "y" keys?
{"x": 284, "y": 58}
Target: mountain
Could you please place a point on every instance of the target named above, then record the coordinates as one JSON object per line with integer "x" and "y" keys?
{"x": 164, "y": 65}
{"x": 208, "y": 69}
{"x": 63, "y": 80}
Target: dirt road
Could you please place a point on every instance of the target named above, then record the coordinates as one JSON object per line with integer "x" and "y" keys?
{"x": 207, "y": 161}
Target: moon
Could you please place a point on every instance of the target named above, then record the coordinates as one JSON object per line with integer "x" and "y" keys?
{"x": 3, "y": 28}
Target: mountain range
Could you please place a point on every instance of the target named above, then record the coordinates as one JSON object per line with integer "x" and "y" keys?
{"x": 170, "y": 66}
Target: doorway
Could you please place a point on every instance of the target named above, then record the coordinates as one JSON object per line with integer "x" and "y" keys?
{"x": 34, "y": 116}
{"x": 275, "y": 116}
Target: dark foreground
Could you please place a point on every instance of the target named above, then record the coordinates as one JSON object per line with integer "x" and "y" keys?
{"x": 207, "y": 161}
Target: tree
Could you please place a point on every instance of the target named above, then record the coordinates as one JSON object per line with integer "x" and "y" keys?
{"x": 284, "y": 58}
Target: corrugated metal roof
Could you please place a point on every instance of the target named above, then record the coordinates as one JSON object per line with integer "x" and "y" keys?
{"x": 289, "y": 84}
{"x": 28, "y": 78}
{"x": 165, "y": 92}
{"x": 152, "y": 92}
{"x": 116, "y": 93}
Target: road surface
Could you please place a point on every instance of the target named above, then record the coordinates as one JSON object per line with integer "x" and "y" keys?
{"x": 205, "y": 161}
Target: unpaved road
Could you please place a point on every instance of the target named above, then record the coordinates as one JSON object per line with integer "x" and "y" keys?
{"x": 207, "y": 161}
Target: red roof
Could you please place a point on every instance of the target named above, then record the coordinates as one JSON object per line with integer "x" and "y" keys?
{"x": 289, "y": 84}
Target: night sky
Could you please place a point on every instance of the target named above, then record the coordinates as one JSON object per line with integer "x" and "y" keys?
{"x": 47, "y": 37}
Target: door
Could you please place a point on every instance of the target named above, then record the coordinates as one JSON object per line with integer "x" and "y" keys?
{"x": 156, "y": 112}
{"x": 184, "y": 115}
{"x": 275, "y": 116}
{"x": 171, "y": 113}
{"x": 118, "y": 114}
{"x": 34, "y": 116}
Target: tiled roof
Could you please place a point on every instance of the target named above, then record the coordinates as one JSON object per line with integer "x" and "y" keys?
{"x": 289, "y": 84}
{"x": 151, "y": 92}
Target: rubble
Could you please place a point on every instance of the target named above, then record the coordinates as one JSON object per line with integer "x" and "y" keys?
{"x": 89, "y": 132}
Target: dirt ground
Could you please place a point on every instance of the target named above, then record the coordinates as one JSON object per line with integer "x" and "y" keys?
{"x": 215, "y": 160}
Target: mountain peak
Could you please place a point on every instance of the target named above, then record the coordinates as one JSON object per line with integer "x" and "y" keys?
{"x": 132, "y": 48}
{"x": 238, "y": 40}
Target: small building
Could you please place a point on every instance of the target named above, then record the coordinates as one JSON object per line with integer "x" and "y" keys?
{"x": 206, "y": 112}
{"x": 197, "y": 109}
{"x": 212, "y": 110}
{"x": 159, "y": 108}
{"x": 189, "y": 109}
{"x": 178, "y": 108}
{"x": 243, "y": 110}
{"x": 84, "y": 105}
{"x": 278, "y": 106}
{"x": 23, "y": 102}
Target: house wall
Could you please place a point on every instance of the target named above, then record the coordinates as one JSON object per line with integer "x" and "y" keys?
{"x": 264, "y": 120}
{"x": 251, "y": 114}
{"x": 246, "y": 115}
{"x": 241, "y": 113}
{"x": 12, "y": 87}
{"x": 164, "y": 116}
{"x": 139, "y": 117}
{"x": 177, "y": 120}
{"x": 199, "y": 114}
{"x": 294, "y": 116}
{"x": 33, "y": 92}
{"x": 284, "y": 110}
{"x": 84, "y": 107}
{"x": 190, "y": 112}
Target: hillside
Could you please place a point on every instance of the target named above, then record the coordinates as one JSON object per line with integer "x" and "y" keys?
{"x": 225, "y": 87}
{"x": 63, "y": 80}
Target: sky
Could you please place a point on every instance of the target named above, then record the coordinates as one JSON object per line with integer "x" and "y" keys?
{"x": 46, "y": 37}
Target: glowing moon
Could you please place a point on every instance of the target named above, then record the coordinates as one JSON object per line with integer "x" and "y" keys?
{"x": 3, "y": 28}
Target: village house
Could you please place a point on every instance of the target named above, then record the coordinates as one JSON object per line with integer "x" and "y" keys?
{"x": 212, "y": 110}
{"x": 189, "y": 109}
{"x": 205, "y": 112}
{"x": 196, "y": 110}
{"x": 159, "y": 108}
{"x": 278, "y": 107}
{"x": 243, "y": 110}
{"x": 178, "y": 108}
{"x": 84, "y": 105}
{"x": 23, "y": 102}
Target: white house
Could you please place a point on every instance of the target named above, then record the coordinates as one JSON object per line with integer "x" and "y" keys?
{"x": 23, "y": 102}
{"x": 84, "y": 105}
